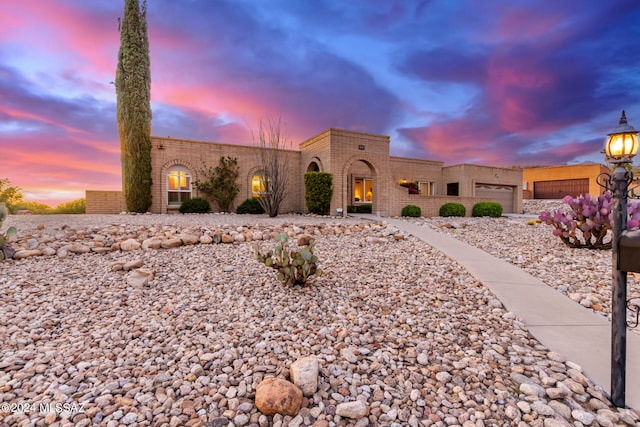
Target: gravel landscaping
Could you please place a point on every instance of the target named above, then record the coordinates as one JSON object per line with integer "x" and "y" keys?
{"x": 115, "y": 332}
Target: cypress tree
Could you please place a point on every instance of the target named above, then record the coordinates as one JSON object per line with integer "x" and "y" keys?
{"x": 133, "y": 91}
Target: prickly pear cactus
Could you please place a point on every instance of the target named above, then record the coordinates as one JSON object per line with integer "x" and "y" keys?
{"x": 294, "y": 266}
{"x": 6, "y": 251}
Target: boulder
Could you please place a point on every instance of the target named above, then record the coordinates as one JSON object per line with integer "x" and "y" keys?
{"x": 139, "y": 278}
{"x": 132, "y": 265}
{"x": 152, "y": 243}
{"x": 304, "y": 239}
{"x": 355, "y": 409}
{"x": 188, "y": 239}
{"x": 78, "y": 248}
{"x": 278, "y": 396}
{"x": 304, "y": 374}
{"x": 130, "y": 245}
{"x": 174, "y": 242}
{"x": 206, "y": 239}
{"x": 227, "y": 238}
{"x": 27, "y": 253}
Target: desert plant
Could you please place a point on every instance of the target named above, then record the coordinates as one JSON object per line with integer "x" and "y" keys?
{"x": 250, "y": 206}
{"x": 272, "y": 142}
{"x": 364, "y": 208}
{"x": 6, "y": 251}
{"x": 220, "y": 182}
{"x": 453, "y": 209}
{"x": 587, "y": 223}
{"x": 133, "y": 98}
{"x": 195, "y": 205}
{"x": 318, "y": 190}
{"x": 491, "y": 209}
{"x": 10, "y": 195}
{"x": 412, "y": 211}
{"x": 294, "y": 266}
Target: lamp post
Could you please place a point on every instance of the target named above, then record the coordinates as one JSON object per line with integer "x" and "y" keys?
{"x": 621, "y": 146}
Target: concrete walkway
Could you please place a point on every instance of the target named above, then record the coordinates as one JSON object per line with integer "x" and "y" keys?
{"x": 562, "y": 325}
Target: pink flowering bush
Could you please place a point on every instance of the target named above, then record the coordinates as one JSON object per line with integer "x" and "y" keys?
{"x": 587, "y": 223}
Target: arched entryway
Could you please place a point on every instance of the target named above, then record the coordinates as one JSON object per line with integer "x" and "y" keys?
{"x": 360, "y": 186}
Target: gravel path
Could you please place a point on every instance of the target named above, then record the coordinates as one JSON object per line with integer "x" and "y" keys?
{"x": 392, "y": 321}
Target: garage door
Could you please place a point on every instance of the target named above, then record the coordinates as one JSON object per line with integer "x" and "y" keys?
{"x": 502, "y": 194}
{"x": 559, "y": 189}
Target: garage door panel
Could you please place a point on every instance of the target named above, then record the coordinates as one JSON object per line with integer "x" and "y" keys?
{"x": 560, "y": 188}
{"x": 502, "y": 194}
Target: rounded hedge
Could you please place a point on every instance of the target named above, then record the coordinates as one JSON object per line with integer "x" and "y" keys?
{"x": 412, "y": 211}
{"x": 453, "y": 209}
{"x": 491, "y": 209}
{"x": 195, "y": 205}
{"x": 250, "y": 206}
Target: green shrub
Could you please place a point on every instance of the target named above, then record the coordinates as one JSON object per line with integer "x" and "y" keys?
{"x": 492, "y": 209}
{"x": 195, "y": 205}
{"x": 453, "y": 209}
{"x": 318, "y": 190}
{"x": 220, "y": 182}
{"x": 294, "y": 266}
{"x": 412, "y": 210}
{"x": 365, "y": 208}
{"x": 250, "y": 206}
{"x": 78, "y": 206}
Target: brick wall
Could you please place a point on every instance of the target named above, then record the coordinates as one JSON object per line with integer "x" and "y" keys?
{"x": 104, "y": 202}
{"x": 194, "y": 155}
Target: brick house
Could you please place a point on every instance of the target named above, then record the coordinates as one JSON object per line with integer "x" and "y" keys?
{"x": 363, "y": 171}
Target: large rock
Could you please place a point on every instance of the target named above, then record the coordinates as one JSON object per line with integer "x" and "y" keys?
{"x": 152, "y": 243}
{"x": 355, "y": 409}
{"x": 130, "y": 245}
{"x": 139, "y": 278}
{"x": 26, "y": 253}
{"x": 174, "y": 242}
{"x": 188, "y": 239}
{"x": 278, "y": 396}
{"x": 304, "y": 239}
{"x": 226, "y": 238}
{"x": 78, "y": 248}
{"x": 304, "y": 374}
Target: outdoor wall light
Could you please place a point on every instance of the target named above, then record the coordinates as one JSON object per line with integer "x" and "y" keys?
{"x": 622, "y": 143}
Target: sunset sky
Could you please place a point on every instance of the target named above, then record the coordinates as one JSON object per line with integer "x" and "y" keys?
{"x": 511, "y": 82}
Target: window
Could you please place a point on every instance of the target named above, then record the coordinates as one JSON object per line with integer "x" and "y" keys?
{"x": 427, "y": 188}
{"x": 363, "y": 190}
{"x": 178, "y": 185}
{"x": 453, "y": 189}
{"x": 259, "y": 185}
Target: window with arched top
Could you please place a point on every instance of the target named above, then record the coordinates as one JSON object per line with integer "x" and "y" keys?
{"x": 178, "y": 185}
{"x": 259, "y": 184}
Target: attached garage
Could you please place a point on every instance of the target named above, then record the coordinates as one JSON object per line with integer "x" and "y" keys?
{"x": 502, "y": 194}
{"x": 560, "y": 188}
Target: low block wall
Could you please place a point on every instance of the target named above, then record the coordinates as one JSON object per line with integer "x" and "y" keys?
{"x": 104, "y": 202}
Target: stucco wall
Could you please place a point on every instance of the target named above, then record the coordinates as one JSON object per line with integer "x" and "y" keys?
{"x": 558, "y": 173}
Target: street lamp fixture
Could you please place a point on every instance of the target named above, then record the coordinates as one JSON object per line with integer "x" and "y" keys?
{"x": 621, "y": 146}
{"x": 622, "y": 143}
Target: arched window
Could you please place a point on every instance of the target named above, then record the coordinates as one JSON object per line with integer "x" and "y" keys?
{"x": 178, "y": 185}
{"x": 259, "y": 184}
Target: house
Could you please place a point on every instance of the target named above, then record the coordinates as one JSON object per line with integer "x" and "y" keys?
{"x": 363, "y": 171}
{"x": 555, "y": 182}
